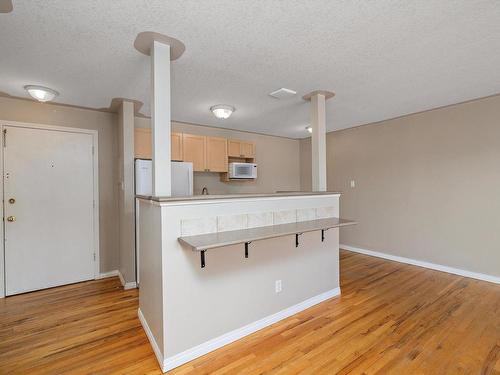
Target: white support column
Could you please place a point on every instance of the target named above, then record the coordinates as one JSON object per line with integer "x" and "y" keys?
{"x": 318, "y": 100}
{"x": 160, "y": 118}
{"x": 126, "y": 195}
{"x": 318, "y": 142}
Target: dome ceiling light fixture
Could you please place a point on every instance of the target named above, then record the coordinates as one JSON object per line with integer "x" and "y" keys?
{"x": 222, "y": 111}
{"x": 41, "y": 93}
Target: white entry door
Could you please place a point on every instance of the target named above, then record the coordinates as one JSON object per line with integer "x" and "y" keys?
{"x": 48, "y": 208}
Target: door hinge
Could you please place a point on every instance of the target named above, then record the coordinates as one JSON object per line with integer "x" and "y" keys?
{"x": 92, "y": 150}
{"x": 5, "y": 138}
{"x": 94, "y": 257}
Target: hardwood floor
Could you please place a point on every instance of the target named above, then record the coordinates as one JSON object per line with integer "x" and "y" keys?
{"x": 391, "y": 319}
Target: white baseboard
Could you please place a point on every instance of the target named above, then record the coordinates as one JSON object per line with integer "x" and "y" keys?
{"x": 421, "y": 263}
{"x": 104, "y": 275}
{"x": 129, "y": 285}
{"x": 218, "y": 342}
{"x": 151, "y": 338}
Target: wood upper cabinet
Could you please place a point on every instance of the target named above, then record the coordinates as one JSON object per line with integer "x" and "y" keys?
{"x": 248, "y": 149}
{"x": 240, "y": 149}
{"x": 194, "y": 150}
{"x": 142, "y": 143}
{"x": 216, "y": 149}
{"x": 176, "y": 145}
{"x": 233, "y": 148}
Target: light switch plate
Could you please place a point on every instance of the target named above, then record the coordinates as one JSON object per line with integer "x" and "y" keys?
{"x": 353, "y": 183}
{"x": 277, "y": 286}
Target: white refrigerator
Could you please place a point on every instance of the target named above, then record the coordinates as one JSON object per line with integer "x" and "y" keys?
{"x": 182, "y": 178}
{"x": 182, "y": 185}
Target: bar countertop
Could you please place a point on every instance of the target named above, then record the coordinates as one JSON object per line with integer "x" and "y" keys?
{"x": 235, "y": 196}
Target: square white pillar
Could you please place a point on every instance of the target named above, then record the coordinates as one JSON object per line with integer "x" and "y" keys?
{"x": 318, "y": 142}
{"x": 160, "y": 118}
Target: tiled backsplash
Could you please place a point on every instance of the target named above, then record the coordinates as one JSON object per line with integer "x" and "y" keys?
{"x": 191, "y": 227}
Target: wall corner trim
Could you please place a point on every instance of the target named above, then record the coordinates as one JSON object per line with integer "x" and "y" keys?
{"x": 126, "y": 285}
{"x": 151, "y": 338}
{"x": 227, "y": 338}
{"x": 424, "y": 264}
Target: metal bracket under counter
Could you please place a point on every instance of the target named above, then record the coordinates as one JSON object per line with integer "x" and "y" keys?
{"x": 204, "y": 242}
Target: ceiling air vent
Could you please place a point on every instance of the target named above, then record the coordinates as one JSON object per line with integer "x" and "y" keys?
{"x": 283, "y": 93}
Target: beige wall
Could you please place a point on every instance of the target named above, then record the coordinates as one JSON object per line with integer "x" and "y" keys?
{"x": 105, "y": 124}
{"x": 427, "y": 185}
{"x": 278, "y": 160}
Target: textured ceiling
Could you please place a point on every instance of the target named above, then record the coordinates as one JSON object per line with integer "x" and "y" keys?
{"x": 382, "y": 58}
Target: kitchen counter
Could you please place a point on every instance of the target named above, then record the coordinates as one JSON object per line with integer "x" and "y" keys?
{"x": 235, "y": 196}
{"x": 244, "y": 246}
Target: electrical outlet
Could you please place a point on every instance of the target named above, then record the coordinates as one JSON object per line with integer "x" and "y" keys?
{"x": 277, "y": 286}
{"x": 353, "y": 183}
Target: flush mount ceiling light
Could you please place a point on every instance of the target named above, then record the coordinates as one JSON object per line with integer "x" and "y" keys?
{"x": 40, "y": 93}
{"x": 309, "y": 129}
{"x": 222, "y": 111}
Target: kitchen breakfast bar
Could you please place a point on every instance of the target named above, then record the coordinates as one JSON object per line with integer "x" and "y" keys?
{"x": 213, "y": 269}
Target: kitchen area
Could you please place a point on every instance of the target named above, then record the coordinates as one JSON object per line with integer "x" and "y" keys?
{"x": 214, "y": 266}
{"x": 227, "y": 244}
{"x": 193, "y": 156}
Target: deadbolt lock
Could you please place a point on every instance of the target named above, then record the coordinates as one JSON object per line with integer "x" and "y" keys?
{"x": 12, "y": 201}
{"x": 11, "y": 218}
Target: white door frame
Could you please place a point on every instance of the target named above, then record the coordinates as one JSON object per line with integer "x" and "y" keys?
{"x": 95, "y": 160}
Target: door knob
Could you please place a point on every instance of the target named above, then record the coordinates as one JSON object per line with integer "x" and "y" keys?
{"x": 12, "y": 201}
{"x": 11, "y": 218}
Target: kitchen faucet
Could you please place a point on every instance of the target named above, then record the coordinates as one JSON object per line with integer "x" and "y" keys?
{"x": 204, "y": 191}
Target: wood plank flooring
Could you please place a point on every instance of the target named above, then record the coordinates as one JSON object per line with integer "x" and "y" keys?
{"x": 391, "y": 319}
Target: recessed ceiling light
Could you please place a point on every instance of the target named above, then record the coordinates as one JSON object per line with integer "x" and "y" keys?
{"x": 309, "y": 129}
{"x": 222, "y": 111}
{"x": 40, "y": 93}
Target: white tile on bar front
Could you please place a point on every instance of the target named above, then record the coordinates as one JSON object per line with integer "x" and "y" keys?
{"x": 231, "y": 222}
{"x": 306, "y": 214}
{"x": 285, "y": 217}
{"x": 192, "y": 227}
{"x": 325, "y": 212}
{"x": 262, "y": 219}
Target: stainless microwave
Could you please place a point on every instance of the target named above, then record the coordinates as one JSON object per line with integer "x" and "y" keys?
{"x": 242, "y": 171}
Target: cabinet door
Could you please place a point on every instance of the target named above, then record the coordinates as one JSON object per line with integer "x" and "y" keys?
{"x": 248, "y": 149}
{"x": 143, "y": 143}
{"x": 194, "y": 150}
{"x": 176, "y": 145}
{"x": 216, "y": 154}
{"x": 234, "y": 148}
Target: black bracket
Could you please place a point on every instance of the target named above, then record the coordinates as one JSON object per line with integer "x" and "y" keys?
{"x": 297, "y": 239}
{"x": 246, "y": 248}
{"x": 323, "y": 234}
{"x": 202, "y": 258}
